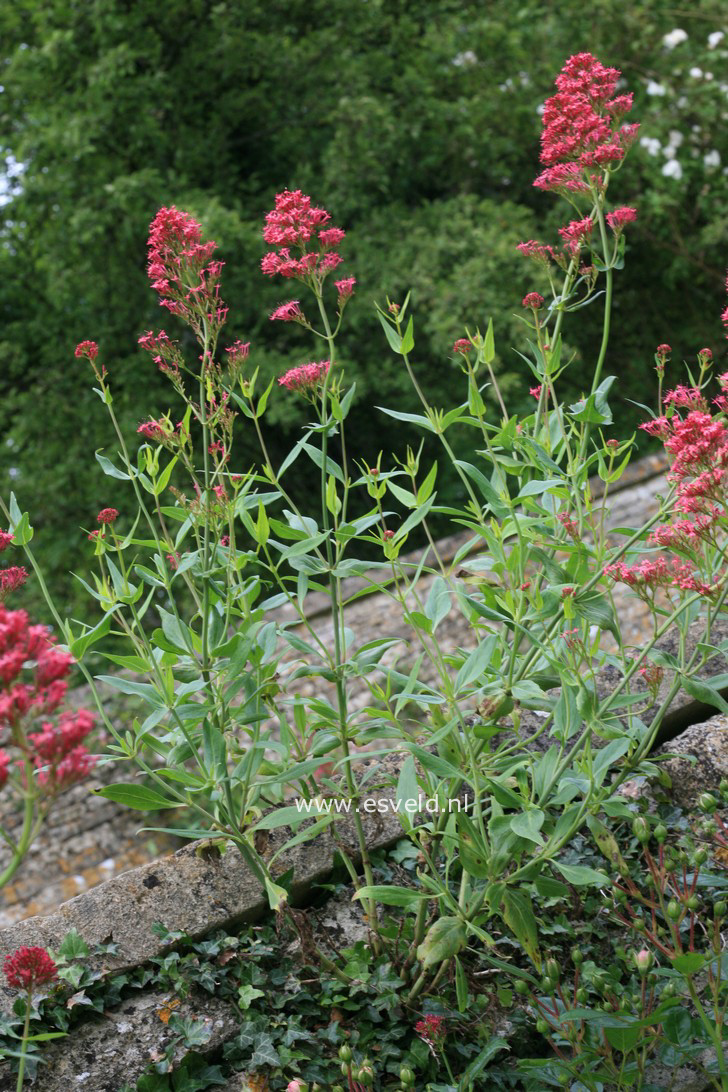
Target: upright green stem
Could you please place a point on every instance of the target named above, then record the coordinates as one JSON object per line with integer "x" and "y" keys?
{"x": 24, "y": 1044}
{"x": 335, "y": 596}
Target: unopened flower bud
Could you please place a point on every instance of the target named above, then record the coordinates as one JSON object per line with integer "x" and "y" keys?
{"x": 406, "y": 1076}
{"x": 612, "y": 444}
{"x": 660, "y": 833}
{"x": 553, "y": 970}
{"x": 673, "y": 910}
{"x": 577, "y": 957}
{"x": 643, "y": 961}
{"x": 345, "y": 1053}
{"x": 707, "y": 802}
{"x": 641, "y": 830}
{"x": 719, "y": 910}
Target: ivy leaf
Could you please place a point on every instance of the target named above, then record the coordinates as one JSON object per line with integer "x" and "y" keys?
{"x": 264, "y": 1055}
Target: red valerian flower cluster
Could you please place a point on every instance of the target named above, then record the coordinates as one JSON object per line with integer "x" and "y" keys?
{"x": 534, "y": 300}
{"x": 307, "y": 378}
{"x": 108, "y": 515}
{"x": 165, "y": 352}
{"x": 619, "y": 218}
{"x": 463, "y": 345}
{"x": 288, "y": 312}
{"x": 11, "y": 579}
{"x": 697, "y": 442}
{"x": 29, "y": 967}
{"x": 432, "y": 1030}
{"x": 88, "y": 350}
{"x": 182, "y": 270}
{"x": 582, "y": 127}
{"x": 33, "y": 673}
{"x": 14, "y": 576}
{"x": 306, "y": 244}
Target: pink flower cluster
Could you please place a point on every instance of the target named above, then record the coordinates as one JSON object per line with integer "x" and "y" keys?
{"x": 33, "y": 673}
{"x": 29, "y": 967}
{"x": 619, "y": 218}
{"x": 582, "y": 127}
{"x": 14, "y": 576}
{"x": 288, "y": 312}
{"x": 647, "y": 575}
{"x": 165, "y": 352}
{"x": 576, "y": 233}
{"x": 432, "y": 1029}
{"x": 87, "y": 350}
{"x": 306, "y": 244}
{"x": 307, "y": 378}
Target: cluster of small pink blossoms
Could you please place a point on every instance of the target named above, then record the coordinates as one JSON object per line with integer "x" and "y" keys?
{"x": 165, "y": 353}
{"x": 307, "y": 379}
{"x": 697, "y": 442}
{"x": 33, "y": 673}
{"x": 619, "y": 218}
{"x": 297, "y": 225}
{"x": 432, "y": 1030}
{"x": 181, "y": 268}
{"x": 647, "y": 575}
{"x": 582, "y": 127}
{"x": 14, "y": 576}
{"x": 29, "y": 967}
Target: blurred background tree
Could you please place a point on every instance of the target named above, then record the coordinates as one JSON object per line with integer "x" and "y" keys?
{"x": 416, "y": 122}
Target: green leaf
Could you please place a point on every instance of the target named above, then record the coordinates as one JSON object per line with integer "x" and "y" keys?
{"x": 408, "y": 340}
{"x": 394, "y": 339}
{"x": 247, "y": 994}
{"x": 390, "y": 895}
{"x": 444, "y": 939}
{"x": 517, "y": 912}
{"x": 582, "y": 875}
{"x": 79, "y": 645}
{"x": 489, "y": 344}
{"x": 473, "y": 854}
{"x": 128, "y": 686}
{"x": 535, "y": 488}
{"x": 410, "y": 418}
{"x": 597, "y": 610}
{"x": 704, "y": 693}
{"x": 138, "y": 797}
{"x": 528, "y": 825}
{"x": 624, "y": 1039}
{"x": 109, "y": 469}
{"x": 461, "y": 986}
{"x": 689, "y": 962}
{"x": 437, "y": 606}
{"x": 677, "y": 1024}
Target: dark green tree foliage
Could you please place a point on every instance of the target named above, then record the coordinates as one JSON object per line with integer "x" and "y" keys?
{"x": 416, "y": 123}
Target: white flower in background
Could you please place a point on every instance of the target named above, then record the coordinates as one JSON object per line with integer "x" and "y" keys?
{"x": 676, "y": 138}
{"x": 655, "y": 88}
{"x": 650, "y": 144}
{"x": 674, "y": 38}
{"x": 712, "y": 159}
{"x": 672, "y": 169}
{"x": 696, "y": 73}
{"x": 465, "y": 58}
{"x": 715, "y": 38}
